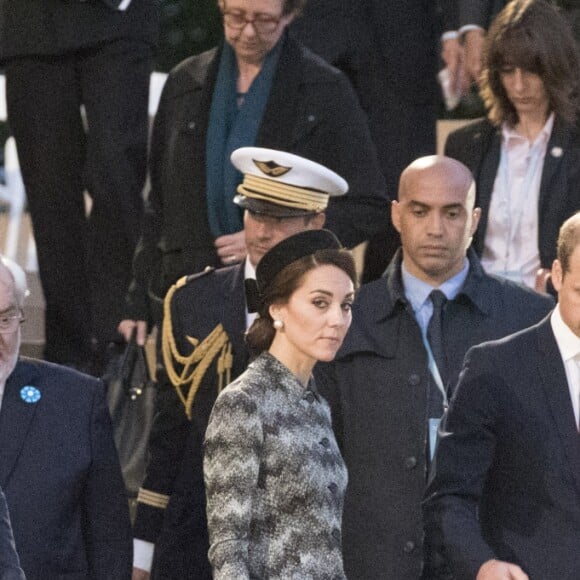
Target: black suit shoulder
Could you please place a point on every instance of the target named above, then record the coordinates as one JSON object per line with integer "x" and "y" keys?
{"x": 514, "y": 297}
{"x": 191, "y": 73}
{"x": 462, "y": 143}
{"x": 64, "y": 379}
{"x": 202, "y": 289}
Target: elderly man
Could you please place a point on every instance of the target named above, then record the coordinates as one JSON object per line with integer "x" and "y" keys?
{"x": 203, "y": 350}
{"x": 389, "y": 383}
{"x": 58, "y": 463}
{"x": 505, "y": 491}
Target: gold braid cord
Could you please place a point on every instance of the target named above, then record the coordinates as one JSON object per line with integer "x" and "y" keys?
{"x": 196, "y": 363}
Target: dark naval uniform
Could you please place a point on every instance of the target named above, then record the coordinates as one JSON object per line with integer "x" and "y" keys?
{"x": 203, "y": 348}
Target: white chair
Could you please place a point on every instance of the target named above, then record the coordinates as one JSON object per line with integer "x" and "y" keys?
{"x": 14, "y": 194}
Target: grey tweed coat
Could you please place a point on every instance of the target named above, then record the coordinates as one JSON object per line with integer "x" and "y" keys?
{"x": 275, "y": 479}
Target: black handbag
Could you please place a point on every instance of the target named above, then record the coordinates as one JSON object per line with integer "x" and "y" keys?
{"x": 131, "y": 399}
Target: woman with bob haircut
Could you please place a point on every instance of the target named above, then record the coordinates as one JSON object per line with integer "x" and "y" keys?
{"x": 525, "y": 156}
{"x": 274, "y": 476}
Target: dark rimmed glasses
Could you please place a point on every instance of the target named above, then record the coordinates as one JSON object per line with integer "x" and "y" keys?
{"x": 262, "y": 23}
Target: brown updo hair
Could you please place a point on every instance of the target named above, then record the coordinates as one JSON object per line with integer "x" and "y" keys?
{"x": 260, "y": 335}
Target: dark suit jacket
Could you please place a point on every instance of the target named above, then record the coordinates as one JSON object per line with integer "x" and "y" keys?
{"x": 389, "y": 51}
{"x": 479, "y": 12}
{"x": 312, "y": 111}
{"x": 478, "y": 146}
{"x": 61, "y": 476}
{"x": 507, "y": 471}
{"x": 377, "y": 387}
{"x": 176, "y": 445}
{"x": 9, "y": 564}
{"x": 54, "y": 27}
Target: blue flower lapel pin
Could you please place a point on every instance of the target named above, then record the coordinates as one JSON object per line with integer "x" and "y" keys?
{"x": 30, "y": 394}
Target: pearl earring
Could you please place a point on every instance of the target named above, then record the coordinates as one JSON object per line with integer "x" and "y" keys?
{"x": 278, "y": 324}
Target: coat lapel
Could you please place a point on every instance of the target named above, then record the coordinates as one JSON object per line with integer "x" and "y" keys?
{"x": 15, "y": 419}
{"x": 485, "y": 174}
{"x": 555, "y": 152}
{"x": 278, "y": 123}
{"x": 553, "y": 377}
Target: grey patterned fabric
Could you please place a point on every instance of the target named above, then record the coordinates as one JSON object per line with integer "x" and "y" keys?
{"x": 275, "y": 479}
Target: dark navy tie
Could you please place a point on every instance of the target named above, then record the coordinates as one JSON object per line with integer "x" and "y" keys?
{"x": 435, "y": 338}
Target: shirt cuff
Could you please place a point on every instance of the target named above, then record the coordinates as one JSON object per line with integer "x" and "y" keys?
{"x": 143, "y": 554}
{"x": 449, "y": 35}
{"x": 124, "y": 5}
{"x": 468, "y": 27}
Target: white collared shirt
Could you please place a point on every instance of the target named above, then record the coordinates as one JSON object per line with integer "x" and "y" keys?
{"x": 511, "y": 246}
{"x": 569, "y": 346}
{"x": 2, "y": 385}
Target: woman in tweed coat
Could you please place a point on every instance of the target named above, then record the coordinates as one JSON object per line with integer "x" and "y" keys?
{"x": 274, "y": 476}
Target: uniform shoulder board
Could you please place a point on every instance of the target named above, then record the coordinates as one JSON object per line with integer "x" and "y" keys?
{"x": 187, "y": 279}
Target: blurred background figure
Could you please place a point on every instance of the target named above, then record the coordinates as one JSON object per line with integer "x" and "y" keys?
{"x": 526, "y": 155}
{"x": 274, "y": 475}
{"x": 59, "y": 57}
{"x": 474, "y": 17}
{"x": 389, "y": 50}
{"x": 259, "y": 87}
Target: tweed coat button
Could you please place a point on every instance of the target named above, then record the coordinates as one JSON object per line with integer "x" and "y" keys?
{"x": 311, "y": 118}
{"x": 191, "y": 125}
{"x": 333, "y": 487}
{"x": 414, "y": 380}
{"x": 410, "y": 462}
{"x": 336, "y": 534}
{"x": 325, "y": 443}
{"x": 409, "y": 547}
{"x": 309, "y": 397}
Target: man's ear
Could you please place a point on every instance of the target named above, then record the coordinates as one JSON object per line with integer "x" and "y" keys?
{"x": 317, "y": 221}
{"x": 396, "y": 214}
{"x": 557, "y": 275}
{"x": 476, "y": 216}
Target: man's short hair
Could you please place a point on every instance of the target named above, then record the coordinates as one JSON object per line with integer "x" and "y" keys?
{"x": 568, "y": 241}
{"x": 19, "y": 277}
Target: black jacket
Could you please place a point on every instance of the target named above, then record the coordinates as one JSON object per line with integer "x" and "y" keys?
{"x": 175, "y": 468}
{"x": 312, "y": 111}
{"x": 512, "y": 435}
{"x": 55, "y": 27}
{"x": 478, "y": 146}
{"x": 377, "y": 388}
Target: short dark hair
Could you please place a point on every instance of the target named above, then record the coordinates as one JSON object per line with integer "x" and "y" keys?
{"x": 531, "y": 35}
{"x": 261, "y": 334}
{"x": 568, "y": 241}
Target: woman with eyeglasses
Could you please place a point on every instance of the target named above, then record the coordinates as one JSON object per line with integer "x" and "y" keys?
{"x": 260, "y": 87}
{"x": 274, "y": 476}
